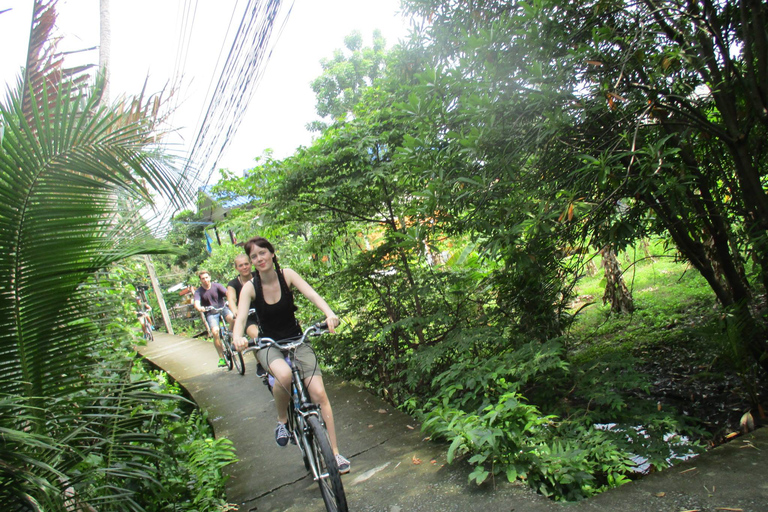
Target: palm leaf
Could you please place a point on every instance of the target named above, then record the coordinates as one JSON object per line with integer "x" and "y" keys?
{"x": 60, "y": 222}
{"x": 74, "y": 175}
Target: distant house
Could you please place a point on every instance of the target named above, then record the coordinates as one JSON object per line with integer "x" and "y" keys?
{"x": 214, "y": 207}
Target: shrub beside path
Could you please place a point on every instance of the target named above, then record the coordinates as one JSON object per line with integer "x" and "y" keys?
{"x": 395, "y": 470}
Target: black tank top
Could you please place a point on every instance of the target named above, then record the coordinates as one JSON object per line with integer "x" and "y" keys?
{"x": 238, "y": 286}
{"x": 276, "y": 321}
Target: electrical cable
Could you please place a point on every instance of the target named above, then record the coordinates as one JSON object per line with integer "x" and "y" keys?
{"x": 240, "y": 75}
{"x": 250, "y": 52}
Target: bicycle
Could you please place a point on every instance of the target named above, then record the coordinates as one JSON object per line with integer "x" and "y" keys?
{"x": 146, "y": 327}
{"x": 305, "y": 422}
{"x": 231, "y": 356}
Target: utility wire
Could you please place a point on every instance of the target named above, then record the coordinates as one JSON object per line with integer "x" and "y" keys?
{"x": 218, "y": 61}
{"x": 242, "y": 71}
{"x": 184, "y": 34}
{"x": 250, "y": 52}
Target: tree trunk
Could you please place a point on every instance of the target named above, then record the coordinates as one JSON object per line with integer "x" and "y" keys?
{"x": 647, "y": 249}
{"x": 616, "y": 291}
{"x": 105, "y": 43}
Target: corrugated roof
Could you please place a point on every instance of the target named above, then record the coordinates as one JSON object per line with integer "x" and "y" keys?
{"x": 225, "y": 200}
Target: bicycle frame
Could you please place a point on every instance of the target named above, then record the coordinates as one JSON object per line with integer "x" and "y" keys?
{"x": 223, "y": 327}
{"x": 300, "y": 406}
{"x": 305, "y": 422}
{"x": 232, "y": 357}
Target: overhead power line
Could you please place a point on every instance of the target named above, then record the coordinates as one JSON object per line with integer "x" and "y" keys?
{"x": 242, "y": 71}
{"x": 246, "y": 61}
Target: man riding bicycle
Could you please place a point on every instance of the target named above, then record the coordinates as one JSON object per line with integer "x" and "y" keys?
{"x": 214, "y": 295}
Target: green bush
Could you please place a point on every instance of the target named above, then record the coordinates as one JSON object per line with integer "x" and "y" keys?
{"x": 566, "y": 453}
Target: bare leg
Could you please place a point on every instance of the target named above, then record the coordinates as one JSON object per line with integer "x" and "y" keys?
{"x": 318, "y": 395}
{"x": 253, "y": 332}
{"x": 144, "y": 325}
{"x": 217, "y": 342}
{"x": 282, "y": 388}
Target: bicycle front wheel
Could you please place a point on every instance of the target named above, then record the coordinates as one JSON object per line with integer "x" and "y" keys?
{"x": 226, "y": 343}
{"x": 299, "y": 435}
{"x": 239, "y": 363}
{"x": 226, "y": 348}
{"x": 329, "y": 478}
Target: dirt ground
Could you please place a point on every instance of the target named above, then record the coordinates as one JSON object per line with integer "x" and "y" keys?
{"x": 699, "y": 389}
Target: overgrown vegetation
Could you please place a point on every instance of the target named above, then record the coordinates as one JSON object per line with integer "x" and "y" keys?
{"x": 458, "y": 185}
{"x": 457, "y": 188}
{"x": 83, "y": 426}
{"x": 189, "y": 471}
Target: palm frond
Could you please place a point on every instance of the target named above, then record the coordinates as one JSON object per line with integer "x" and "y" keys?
{"x": 44, "y": 69}
{"x": 74, "y": 176}
{"x": 61, "y": 221}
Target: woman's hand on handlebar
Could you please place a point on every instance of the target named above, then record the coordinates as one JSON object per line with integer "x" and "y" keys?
{"x": 332, "y": 321}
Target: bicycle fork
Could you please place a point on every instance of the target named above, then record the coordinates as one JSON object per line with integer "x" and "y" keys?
{"x": 306, "y": 441}
{"x": 302, "y": 409}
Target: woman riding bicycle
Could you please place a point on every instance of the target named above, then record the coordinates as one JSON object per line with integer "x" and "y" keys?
{"x": 269, "y": 293}
{"x": 234, "y": 287}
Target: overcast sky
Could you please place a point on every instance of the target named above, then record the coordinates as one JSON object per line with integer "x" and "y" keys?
{"x": 145, "y": 39}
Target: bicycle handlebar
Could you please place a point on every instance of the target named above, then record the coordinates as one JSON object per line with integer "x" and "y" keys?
{"x": 288, "y": 343}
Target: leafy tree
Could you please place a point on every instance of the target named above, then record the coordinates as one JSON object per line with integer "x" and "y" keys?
{"x": 345, "y": 77}
{"x": 475, "y": 144}
{"x": 658, "y": 106}
{"x": 354, "y": 219}
{"x": 187, "y": 232}
{"x": 430, "y": 211}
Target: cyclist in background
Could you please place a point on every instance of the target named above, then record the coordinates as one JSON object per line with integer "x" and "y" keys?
{"x": 244, "y": 274}
{"x": 142, "y": 314}
{"x": 269, "y": 293}
{"x": 212, "y": 294}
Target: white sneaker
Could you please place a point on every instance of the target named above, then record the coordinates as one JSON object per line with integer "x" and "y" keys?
{"x": 343, "y": 463}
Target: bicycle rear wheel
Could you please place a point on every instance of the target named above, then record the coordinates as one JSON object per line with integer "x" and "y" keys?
{"x": 327, "y": 469}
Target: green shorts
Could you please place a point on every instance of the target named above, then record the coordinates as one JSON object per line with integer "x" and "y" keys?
{"x": 304, "y": 357}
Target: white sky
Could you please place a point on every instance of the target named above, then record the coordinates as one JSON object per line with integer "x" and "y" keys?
{"x": 145, "y": 38}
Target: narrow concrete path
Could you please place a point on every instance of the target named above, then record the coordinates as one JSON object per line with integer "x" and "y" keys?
{"x": 395, "y": 470}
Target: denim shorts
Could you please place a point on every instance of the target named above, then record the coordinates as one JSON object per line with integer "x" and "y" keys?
{"x": 213, "y": 318}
